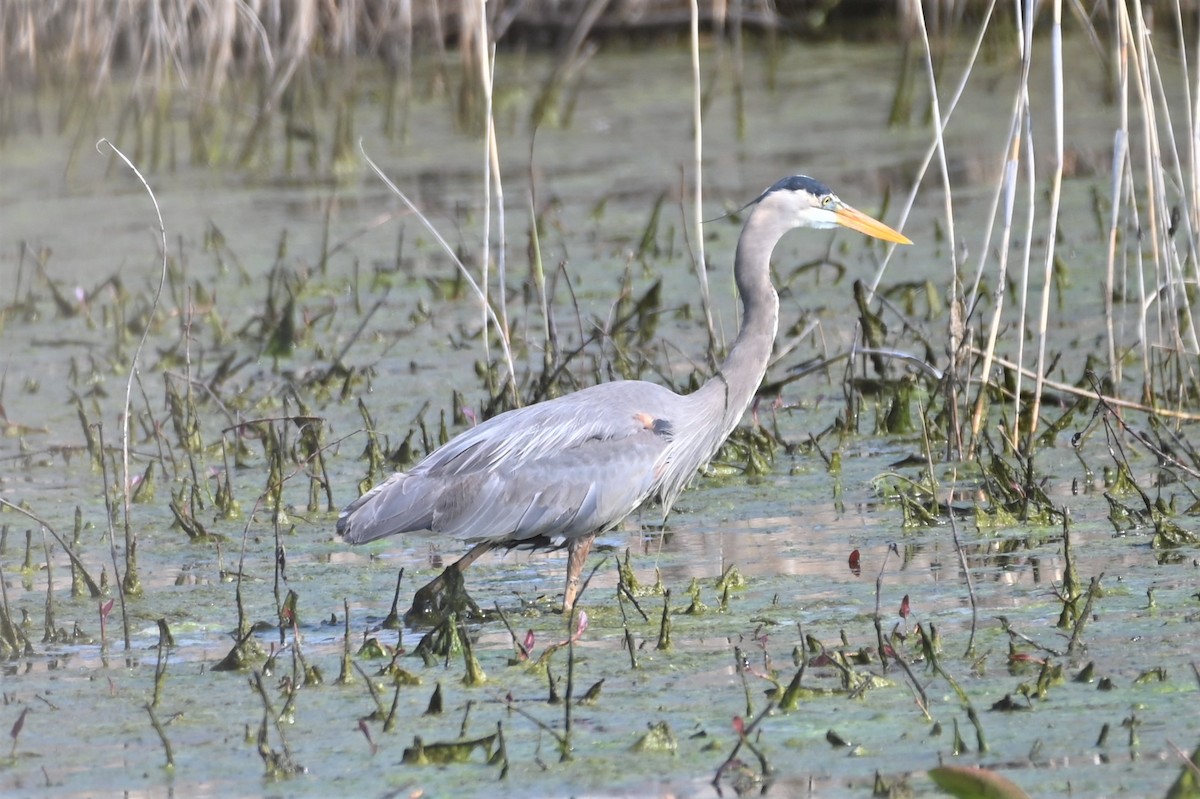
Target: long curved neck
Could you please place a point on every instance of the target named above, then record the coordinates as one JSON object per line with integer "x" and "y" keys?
{"x": 712, "y": 411}
{"x": 739, "y": 376}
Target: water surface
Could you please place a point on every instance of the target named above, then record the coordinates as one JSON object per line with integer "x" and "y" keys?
{"x": 790, "y": 533}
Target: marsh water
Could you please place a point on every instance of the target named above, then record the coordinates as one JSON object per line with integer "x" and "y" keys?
{"x": 373, "y": 290}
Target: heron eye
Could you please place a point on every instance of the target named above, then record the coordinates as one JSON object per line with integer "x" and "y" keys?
{"x": 827, "y": 201}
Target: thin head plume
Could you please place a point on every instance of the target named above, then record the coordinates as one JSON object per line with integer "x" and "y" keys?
{"x": 790, "y": 183}
{"x": 733, "y": 211}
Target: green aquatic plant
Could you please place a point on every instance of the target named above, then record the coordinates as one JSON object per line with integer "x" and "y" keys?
{"x": 442, "y": 753}
{"x": 659, "y": 738}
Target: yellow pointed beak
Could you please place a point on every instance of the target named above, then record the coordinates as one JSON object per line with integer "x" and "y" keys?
{"x": 857, "y": 220}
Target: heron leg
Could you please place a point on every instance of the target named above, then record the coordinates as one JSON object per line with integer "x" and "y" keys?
{"x": 446, "y": 593}
{"x": 577, "y": 552}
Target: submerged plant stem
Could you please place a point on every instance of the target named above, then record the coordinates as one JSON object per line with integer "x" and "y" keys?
{"x": 162, "y": 736}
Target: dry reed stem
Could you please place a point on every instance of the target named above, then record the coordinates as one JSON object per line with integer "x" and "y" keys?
{"x": 1120, "y": 167}
{"x": 937, "y": 145}
{"x": 1076, "y": 391}
{"x": 1158, "y": 212}
{"x": 492, "y": 175}
{"x": 1181, "y": 303}
{"x": 1024, "y": 133}
{"x": 698, "y": 167}
{"x": 1005, "y": 187}
{"x": 1019, "y": 134}
{"x": 93, "y": 588}
{"x": 1052, "y": 231}
{"x": 433, "y": 231}
{"x": 130, "y": 537}
{"x": 1168, "y": 331}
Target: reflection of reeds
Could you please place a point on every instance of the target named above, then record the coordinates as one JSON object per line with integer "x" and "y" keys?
{"x": 225, "y": 72}
{"x": 212, "y": 62}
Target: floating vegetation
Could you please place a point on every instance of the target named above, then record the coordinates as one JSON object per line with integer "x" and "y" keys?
{"x": 1031, "y": 465}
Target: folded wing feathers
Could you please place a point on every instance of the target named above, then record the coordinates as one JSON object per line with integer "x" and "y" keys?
{"x": 568, "y": 495}
{"x": 556, "y": 478}
{"x": 392, "y": 506}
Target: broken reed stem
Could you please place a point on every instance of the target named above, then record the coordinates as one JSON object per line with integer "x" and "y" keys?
{"x": 380, "y": 711}
{"x": 501, "y": 751}
{"x": 1166, "y": 458}
{"x": 741, "y": 664}
{"x": 160, "y": 666}
{"x": 883, "y": 658}
{"x": 962, "y": 562}
{"x": 291, "y": 686}
{"x": 93, "y": 588}
{"x": 508, "y": 703}
{"x": 1120, "y": 171}
{"x": 522, "y": 652}
{"x": 1177, "y": 333}
{"x": 462, "y": 727}
{"x": 936, "y": 146}
{"x": 473, "y": 672}
{"x": 191, "y": 421}
{"x": 664, "y": 626}
{"x": 565, "y": 752}
{"x": 345, "y": 677}
{"x": 930, "y": 650}
{"x": 1069, "y": 593}
{"x": 392, "y": 621}
{"x": 164, "y": 453}
{"x": 162, "y": 735}
{"x": 13, "y": 640}
{"x": 48, "y": 620}
{"x": 243, "y": 629}
{"x": 389, "y": 722}
{"x": 15, "y": 732}
{"x": 1081, "y": 622}
{"x": 624, "y": 589}
{"x": 628, "y": 642}
{"x": 1024, "y": 135}
{"x": 76, "y": 577}
{"x": 922, "y": 698}
{"x": 271, "y": 719}
{"x": 744, "y": 738}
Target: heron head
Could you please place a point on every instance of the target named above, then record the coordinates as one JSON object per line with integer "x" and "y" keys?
{"x": 810, "y": 203}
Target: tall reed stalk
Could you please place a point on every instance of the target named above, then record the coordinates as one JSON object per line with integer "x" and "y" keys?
{"x": 1052, "y": 224}
{"x": 1150, "y": 265}
{"x": 698, "y": 168}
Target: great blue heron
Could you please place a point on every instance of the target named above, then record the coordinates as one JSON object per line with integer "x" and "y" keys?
{"x": 574, "y": 466}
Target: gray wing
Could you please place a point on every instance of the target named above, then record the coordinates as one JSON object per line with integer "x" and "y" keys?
{"x": 560, "y": 469}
